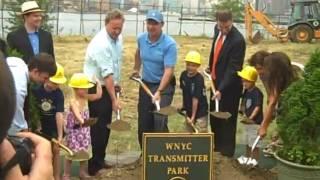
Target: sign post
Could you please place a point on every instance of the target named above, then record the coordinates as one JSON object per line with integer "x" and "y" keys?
{"x": 177, "y": 156}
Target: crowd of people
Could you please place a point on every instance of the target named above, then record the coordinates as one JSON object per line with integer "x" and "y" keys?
{"x": 94, "y": 91}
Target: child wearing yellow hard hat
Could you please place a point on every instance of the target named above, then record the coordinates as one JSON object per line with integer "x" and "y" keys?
{"x": 51, "y": 107}
{"x": 251, "y": 106}
{"x": 194, "y": 93}
{"x": 78, "y": 139}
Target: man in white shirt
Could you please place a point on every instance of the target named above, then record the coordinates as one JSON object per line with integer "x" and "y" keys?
{"x": 103, "y": 60}
{"x": 39, "y": 69}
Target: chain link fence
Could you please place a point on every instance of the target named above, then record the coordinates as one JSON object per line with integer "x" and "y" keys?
{"x": 83, "y": 17}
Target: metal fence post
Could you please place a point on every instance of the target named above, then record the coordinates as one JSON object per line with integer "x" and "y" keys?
{"x": 81, "y": 17}
{"x": 2, "y": 25}
{"x": 100, "y": 15}
{"x": 57, "y": 19}
{"x": 181, "y": 16}
{"x": 168, "y": 10}
{"x": 204, "y": 22}
{"x": 137, "y": 19}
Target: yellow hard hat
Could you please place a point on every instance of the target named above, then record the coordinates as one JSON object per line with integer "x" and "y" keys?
{"x": 248, "y": 73}
{"x": 80, "y": 80}
{"x": 59, "y": 77}
{"x": 194, "y": 57}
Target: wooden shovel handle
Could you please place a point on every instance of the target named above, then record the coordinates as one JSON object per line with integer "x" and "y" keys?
{"x": 145, "y": 87}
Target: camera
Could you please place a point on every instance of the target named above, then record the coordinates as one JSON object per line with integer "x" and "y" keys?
{"x": 24, "y": 148}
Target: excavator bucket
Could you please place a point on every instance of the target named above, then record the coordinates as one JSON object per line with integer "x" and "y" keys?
{"x": 257, "y": 37}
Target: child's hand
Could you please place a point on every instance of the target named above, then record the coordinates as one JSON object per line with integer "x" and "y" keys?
{"x": 189, "y": 120}
{"x": 118, "y": 88}
{"x": 81, "y": 121}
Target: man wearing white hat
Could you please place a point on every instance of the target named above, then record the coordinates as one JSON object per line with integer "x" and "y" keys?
{"x": 30, "y": 39}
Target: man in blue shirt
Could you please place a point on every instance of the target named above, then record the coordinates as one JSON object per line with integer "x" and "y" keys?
{"x": 30, "y": 39}
{"x": 157, "y": 54}
{"x": 103, "y": 60}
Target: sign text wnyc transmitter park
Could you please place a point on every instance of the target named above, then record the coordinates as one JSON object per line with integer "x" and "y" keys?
{"x": 179, "y": 156}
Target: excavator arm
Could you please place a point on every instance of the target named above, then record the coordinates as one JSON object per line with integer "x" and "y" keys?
{"x": 261, "y": 18}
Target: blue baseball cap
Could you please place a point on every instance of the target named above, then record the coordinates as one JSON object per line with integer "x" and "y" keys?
{"x": 155, "y": 15}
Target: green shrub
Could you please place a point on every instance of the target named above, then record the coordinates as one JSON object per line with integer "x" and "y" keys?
{"x": 299, "y": 118}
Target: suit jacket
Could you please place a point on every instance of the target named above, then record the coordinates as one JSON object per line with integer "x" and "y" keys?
{"x": 19, "y": 40}
{"x": 230, "y": 61}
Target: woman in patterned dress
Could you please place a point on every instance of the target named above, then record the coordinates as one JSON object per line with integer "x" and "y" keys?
{"x": 78, "y": 139}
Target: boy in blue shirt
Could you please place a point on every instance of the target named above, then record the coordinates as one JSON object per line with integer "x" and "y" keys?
{"x": 194, "y": 93}
{"x": 251, "y": 106}
{"x": 51, "y": 107}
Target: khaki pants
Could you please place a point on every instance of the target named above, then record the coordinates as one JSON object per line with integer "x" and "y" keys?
{"x": 201, "y": 124}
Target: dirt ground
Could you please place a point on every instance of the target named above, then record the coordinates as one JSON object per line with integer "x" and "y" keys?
{"x": 70, "y": 53}
{"x": 224, "y": 169}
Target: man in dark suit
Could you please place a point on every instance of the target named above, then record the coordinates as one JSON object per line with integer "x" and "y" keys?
{"x": 226, "y": 58}
{"x": 30, "y": 39}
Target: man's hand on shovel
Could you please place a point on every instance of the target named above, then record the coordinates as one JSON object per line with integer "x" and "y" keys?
{"x": 189, "y": 120}
{"x": 155, "y": 100}
{"x": 156, "y": 97}
{"x": 116, "y": 106}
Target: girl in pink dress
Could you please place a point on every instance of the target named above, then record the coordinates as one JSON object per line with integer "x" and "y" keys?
{"x": 78, "y": 139}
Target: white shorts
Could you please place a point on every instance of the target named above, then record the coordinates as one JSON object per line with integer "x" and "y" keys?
{"x": 251, "y": 133}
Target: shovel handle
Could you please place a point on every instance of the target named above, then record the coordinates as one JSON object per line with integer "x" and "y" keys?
{"x": 216, "y": 104}
{"x": 192, "y": 125}
{"x": 194, "y": 128}
{"x": 145, "y": 87}
{"x": 118, "y": 110}
{"x": 147, "y": 90}
{"x": 157, "y": 103}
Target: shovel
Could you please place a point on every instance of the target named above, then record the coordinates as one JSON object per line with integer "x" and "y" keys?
{"x": 55, "y": 141}
{"x": 87, "y": 123}
{"x": 168, "y": 110}
{"x": 118, "y": 124}
{"x": 217, "y": 113}
{"x": 183, "y": 113}
{"x": 147, "y": 90}
{"x": 252, "y": 149}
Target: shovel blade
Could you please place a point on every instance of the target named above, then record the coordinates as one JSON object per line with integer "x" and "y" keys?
{"x": 257, "y": 37}
{"x": 168, "y": 110}
{"x": 221, "y": 115}
{"x": 89, "y": 122}
{"x": 120, "y": 125}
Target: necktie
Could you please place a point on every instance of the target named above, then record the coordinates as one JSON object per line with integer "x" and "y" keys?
{"x": 217, "y": 50}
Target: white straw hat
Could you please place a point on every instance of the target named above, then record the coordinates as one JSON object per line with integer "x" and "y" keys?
{"x": 30, "y": 6}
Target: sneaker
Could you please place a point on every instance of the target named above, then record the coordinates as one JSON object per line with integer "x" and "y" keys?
{"x": 242, "y": 159}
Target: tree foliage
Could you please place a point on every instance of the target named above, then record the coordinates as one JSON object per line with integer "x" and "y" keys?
{"x": 15, "y": 20}
{"x": 235, "y": 6}
{"x": 299, "y": 117}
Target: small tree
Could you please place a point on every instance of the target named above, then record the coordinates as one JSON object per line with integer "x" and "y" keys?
{"x": 16, "y": 20}
{"x": 299, "y": 117}
{"x": 235, "y": 6}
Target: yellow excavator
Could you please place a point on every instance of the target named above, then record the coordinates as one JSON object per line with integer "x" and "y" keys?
{"x": 304, "y": 23}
